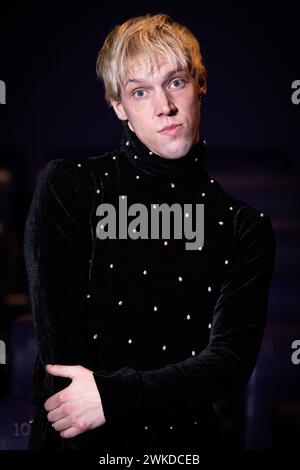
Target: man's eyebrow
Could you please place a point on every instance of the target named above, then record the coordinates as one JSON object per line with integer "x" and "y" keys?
{"x": 143, "y": 80}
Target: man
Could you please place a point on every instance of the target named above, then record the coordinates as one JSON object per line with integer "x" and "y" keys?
{"x": 139, "y": 336}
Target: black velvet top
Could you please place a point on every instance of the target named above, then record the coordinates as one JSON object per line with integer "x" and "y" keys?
{"x": 166, "y": 330}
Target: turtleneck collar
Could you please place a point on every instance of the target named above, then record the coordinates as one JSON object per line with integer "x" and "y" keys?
{"x": 144, "y": 160}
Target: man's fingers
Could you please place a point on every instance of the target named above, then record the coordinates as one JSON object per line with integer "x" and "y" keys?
{"x": 62, "y": 371}
{"x": 56, "y": 414}
{"x": 56, "y": 400}
{"x": 52, "y": 402}
{"x": 70, "y": 432}
{"x": 62, "y": 424}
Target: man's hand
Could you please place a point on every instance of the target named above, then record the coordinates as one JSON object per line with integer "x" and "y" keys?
{"x": 77, "y": 408}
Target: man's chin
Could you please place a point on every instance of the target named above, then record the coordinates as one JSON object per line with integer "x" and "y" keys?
{"x": 174, "y": 151}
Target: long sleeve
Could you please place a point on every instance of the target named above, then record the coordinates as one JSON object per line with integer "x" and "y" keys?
{"x": 56, "y": 257}
{"x": 225, "y": 365}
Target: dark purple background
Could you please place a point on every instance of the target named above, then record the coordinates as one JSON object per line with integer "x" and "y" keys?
{"x": 55, "y": 107}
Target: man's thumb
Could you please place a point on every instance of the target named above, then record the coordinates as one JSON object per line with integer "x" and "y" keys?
{"x": 62, "y": 371}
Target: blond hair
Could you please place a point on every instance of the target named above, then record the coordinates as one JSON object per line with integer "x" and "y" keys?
{"x": 145, "y": 37}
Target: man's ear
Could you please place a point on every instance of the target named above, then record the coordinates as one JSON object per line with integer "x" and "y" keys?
{"x": 119, "y": 109}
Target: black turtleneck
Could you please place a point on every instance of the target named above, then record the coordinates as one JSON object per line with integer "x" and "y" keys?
{"x": 140, "y": 156}
{"x": 166, "y": 331}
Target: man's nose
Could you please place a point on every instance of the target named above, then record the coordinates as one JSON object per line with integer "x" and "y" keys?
{"x": 164, "y": 104}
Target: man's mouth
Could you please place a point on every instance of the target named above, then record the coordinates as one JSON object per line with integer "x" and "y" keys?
{"x": 170, "y": 130}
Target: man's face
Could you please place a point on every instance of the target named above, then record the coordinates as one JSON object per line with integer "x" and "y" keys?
{"x": 162, "y": 107}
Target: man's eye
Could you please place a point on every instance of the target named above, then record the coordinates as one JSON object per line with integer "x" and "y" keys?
{"x": 139, "y": 93}
{"x": 177, "y": 83}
